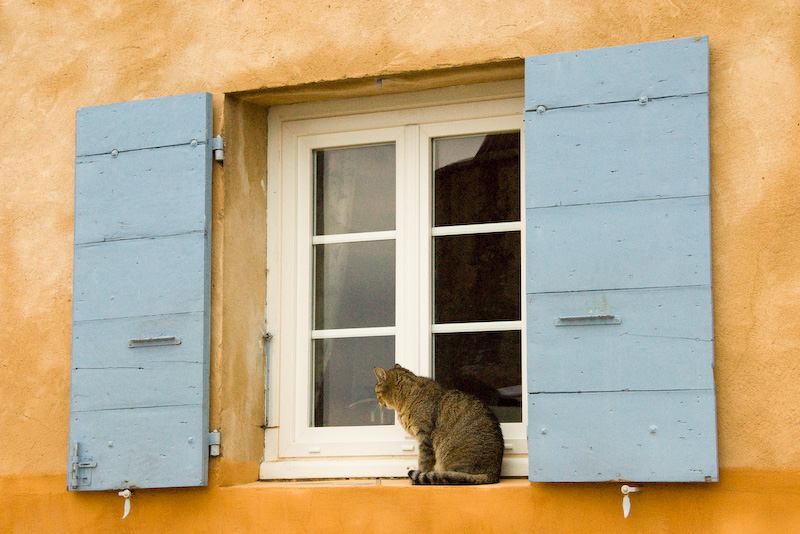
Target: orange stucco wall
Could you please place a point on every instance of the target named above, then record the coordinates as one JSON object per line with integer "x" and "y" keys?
{"x": 735, "y": 505}
{"x": 57, "y": 56}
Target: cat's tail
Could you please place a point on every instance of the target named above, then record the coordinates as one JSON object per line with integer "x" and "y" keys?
{"x": 450, "y": 477}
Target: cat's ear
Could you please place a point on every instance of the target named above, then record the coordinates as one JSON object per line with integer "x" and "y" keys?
{"x": 380, "y": 373}
{"x": 398, "y": 366}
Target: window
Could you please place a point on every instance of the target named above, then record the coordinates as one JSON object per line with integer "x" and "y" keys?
{"x": 395, "y": 237}
{"x": 421, "y": 267}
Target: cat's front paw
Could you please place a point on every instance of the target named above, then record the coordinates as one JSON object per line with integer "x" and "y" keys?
{"x": 414, "y": 475}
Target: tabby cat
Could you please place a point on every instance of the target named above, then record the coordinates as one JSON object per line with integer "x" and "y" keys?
{"x": 460, "y": 441}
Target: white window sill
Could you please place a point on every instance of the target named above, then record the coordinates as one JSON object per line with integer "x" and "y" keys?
{"x": 341, "y": 468}
{"x": 371, "y": 482}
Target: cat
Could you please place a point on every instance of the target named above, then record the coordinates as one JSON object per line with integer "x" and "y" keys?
{"x": 460, "y": 441}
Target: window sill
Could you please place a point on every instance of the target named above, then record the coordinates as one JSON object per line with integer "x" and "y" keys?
{"x": 361, "y": 468}
{"x": 372, "y": 482}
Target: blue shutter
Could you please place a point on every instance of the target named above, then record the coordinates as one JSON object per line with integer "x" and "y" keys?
{"x": 620, "y": 338}
{"x": 141, "y": 288}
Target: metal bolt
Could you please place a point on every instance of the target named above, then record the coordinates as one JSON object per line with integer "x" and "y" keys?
{"x": 114, "y": 153}
{"x": 191, "y": 440}
{"x": 653, "y": 429}
{"x": 544, "y": 431}
{"x": 643, "y": 100}
{"x": 110, "y": 444}
{"x": 540, "y": 109}
{"x": 629, "y": 489}
{"x": 193, "y": 143}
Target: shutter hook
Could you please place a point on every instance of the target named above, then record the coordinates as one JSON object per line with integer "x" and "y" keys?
{"x": 126, "y": 509}
{"x": 626, "y": 501}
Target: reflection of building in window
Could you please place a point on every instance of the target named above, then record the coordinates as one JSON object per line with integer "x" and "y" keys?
{"x": 477, "y": 274}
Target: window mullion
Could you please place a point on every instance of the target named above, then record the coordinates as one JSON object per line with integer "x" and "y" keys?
{"x": 489, "y": 326}
{"x": 406, "y": 340}
{"x": 339, "y": 333}
{"x": 424, "y": 264}
{"x": 479, "y": 228}
{"x": 353, "y": 238}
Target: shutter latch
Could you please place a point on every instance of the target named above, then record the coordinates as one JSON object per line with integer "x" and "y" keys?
{"x": 78, "y": 476}
{"x": 218, "y": 146}
{"x": 626, "y": 500}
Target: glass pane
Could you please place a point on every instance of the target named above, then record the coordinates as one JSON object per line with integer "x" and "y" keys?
{"x": 354, "y": 285}
{"x": 354, "y": 189}
{"x": 477, "y": 278}
{"x": 476, "y": 179}
{"x": 486, "y": 364}
{"x": 344, "y": 384}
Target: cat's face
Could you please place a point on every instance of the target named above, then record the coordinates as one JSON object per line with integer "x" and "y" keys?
{"x": 383, "y": 389}
{"x": 388, "y": 381}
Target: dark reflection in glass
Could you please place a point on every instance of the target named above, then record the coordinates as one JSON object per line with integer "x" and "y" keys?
{"x": 486, "y": 364}
{"x": 477, "y": 278}
{"x": 354, "y": 285}
{"x": 476, "y": 179}
{"x": 354, "y": 189}
{"x": 344, "y": 383}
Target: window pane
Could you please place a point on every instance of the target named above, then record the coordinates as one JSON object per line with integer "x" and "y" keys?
{"x": 486, "y": 364}
{"x": 354, "y": 189}
{"x": 354, "y": 285}
{"x": 344, "y": 383}
{"x": 477, "y": 278}
{"x": 476, "y": 179}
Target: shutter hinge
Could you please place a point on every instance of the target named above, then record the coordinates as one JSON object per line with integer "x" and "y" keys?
{"x": 213, "y": 443}
{"x": 78, "y": 477}
{"x": 218, "y": 146}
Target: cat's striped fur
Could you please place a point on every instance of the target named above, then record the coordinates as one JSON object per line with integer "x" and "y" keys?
{"x": 459, "y": 437}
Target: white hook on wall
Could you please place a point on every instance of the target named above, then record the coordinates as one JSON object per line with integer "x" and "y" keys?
{"x": 126, "y": 509}
{"x": 626, "y": 501}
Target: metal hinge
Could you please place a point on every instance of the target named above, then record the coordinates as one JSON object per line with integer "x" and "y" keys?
{"x": 77, "y": 477}
{"x": 213, "y": 443}
{"x": 218, "y": 146}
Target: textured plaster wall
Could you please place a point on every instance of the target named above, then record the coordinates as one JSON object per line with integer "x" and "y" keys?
{"x": 57, "y": 56}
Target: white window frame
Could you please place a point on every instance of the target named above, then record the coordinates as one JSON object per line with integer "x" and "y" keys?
{"x": 293, "y": 449}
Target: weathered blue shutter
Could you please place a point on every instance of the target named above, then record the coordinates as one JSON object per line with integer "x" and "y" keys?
{"x": 140, "y": 330}
{"x": 620, "y": 338}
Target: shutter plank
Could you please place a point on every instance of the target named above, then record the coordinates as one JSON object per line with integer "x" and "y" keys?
{"x": 659, "y": 343}
{"x": 595, "y": 437}
{"x": 152, "y": 276}
{"x": 154, "y": 196}
{"x": 120, "y": 388}
{"x": 619, "y": 152}
{"x": 626, "y": 245}
{"x": 143, "y": 447}
{"x": 153, "y": 123}
{"x": 617, "y": 74}
{"x": 106, "y": 342}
